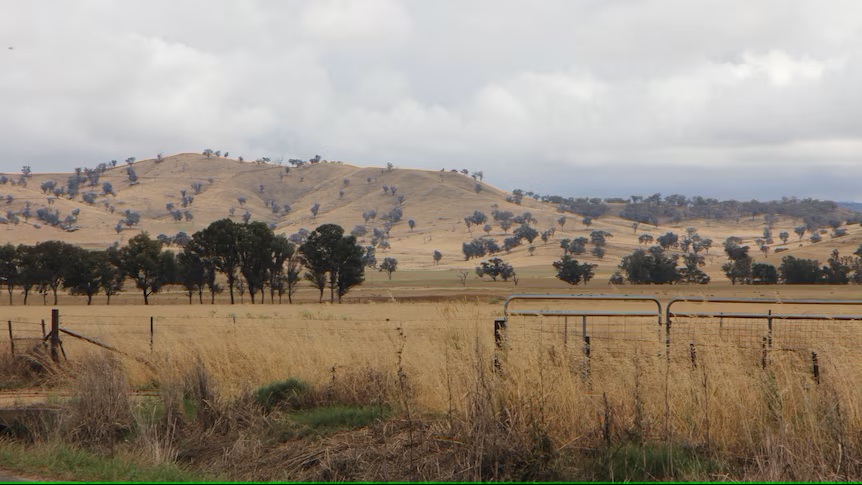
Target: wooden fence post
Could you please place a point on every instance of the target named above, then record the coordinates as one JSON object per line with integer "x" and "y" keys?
{"x": 769, "y": 326}
{"x": 55, "y": 335}
{"x": 499, "y": 342}
{"x": 11, "y": 338}
{"x": 151, "y": 334}
{"x": 816, "y": 367}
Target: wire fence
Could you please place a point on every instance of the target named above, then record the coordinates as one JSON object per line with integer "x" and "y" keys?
{"x": 580, "y": 329}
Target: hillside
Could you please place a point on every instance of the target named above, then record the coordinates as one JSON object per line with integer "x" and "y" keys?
{"x": 436, "y": 201}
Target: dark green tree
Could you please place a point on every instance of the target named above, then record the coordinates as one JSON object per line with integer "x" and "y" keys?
{"x": 9, "y": 268}
{"x": 110, "y": 273}
{"x": 691, "y": 272}
{"x": 572, "y": 272}
{"x": 496, "y": 268}
{"x": 329, "y": 256}
{"x": 30, "y": 270}
{"x": 650, "y": 266}
{"x": 53, "y": 257}
{"x": 738, "y": 269}
{"x": 838, "y": 269}
{"x": 144, "y": 262}
{"x": 281, "y": 252}
{"x": 82, "y": 273}
{"x": 254, "y": 247}
{"x": 191, "y": 274}
{"x": 763, "y": 274}
{"x": 217, "y": 245}
{"x": 390, "y": 265}
{"x": 798, "y": 271}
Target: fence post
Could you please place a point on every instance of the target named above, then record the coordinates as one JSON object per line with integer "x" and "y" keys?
{"x": 499, "y": 342}
{"x": 55, "y": 335}
{"x": 816, "y": 367}
{"x": 565, "y": 332}
{"x": 769, "y": 326}
{"x": 151, "y": 334}
{"x": 667, "y": 339}
{"x": 693, "y": 355}
{"x": 586, "y": 372}
{"x": 43, "y": 330}
{"x": 11, "y": 338}
{"x": 763, "y": 356}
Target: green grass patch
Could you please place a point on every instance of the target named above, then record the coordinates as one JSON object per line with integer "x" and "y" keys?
{"x": 290, "y": 393}
{"x": 650, "y": 462}
{"x": 326, "y": 420}
{"x": 62, "y": 462}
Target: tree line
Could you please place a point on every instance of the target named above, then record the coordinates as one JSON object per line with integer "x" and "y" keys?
{"x": 656, "y": 265}
{"x": 249, "y": 257}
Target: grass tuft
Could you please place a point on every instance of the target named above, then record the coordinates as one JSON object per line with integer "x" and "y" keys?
{"x": 291, "y": 393}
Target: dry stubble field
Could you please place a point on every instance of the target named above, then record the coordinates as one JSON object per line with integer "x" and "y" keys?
{"x": 628, "y": 412}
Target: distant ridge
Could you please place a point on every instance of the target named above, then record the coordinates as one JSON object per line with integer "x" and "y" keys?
{"x": 853, "y": 206}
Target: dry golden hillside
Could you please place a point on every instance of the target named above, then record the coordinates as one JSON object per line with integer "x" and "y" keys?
{"x": 436, "y": 201}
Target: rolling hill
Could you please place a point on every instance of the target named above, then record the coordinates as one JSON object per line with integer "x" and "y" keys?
{"x": 436, "y": 201}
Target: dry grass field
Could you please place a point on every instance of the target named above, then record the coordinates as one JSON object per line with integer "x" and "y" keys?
{"x": 627, "y": 413}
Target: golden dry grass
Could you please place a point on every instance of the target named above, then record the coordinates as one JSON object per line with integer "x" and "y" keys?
{"x": 433, "y": 361}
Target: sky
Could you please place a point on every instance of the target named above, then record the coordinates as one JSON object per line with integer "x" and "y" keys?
{"x": 599, "y": 98}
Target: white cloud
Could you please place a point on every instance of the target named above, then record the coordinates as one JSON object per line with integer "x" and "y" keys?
{"x": 347, "y": 21}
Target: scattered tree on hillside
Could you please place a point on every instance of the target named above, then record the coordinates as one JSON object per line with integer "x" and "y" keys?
{"x": 739, "y": 266}
{"x": 668, "y": 240}
{"x": 691, "y": 272}
{"x": 131, "y": 218}
{"x": 389, "y": 265}
{"x": 572, "y": 272}
{"x": 650, "y": 266}
{"x": 495, "y": 268}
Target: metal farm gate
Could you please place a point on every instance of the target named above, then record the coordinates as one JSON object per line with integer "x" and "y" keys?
{"x": 589, "y": 327}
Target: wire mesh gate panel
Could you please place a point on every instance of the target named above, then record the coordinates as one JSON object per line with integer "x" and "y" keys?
{"x": 579, "y": 328}
{"x": 763, "y": 325}
{"x": 598, "y": 327}
{"x": 782, "y": 324}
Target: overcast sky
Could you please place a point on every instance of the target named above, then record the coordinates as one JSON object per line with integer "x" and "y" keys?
{"x": 721, "y": 98}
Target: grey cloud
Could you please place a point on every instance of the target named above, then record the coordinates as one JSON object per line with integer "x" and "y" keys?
{"x": 604, "y": 98}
